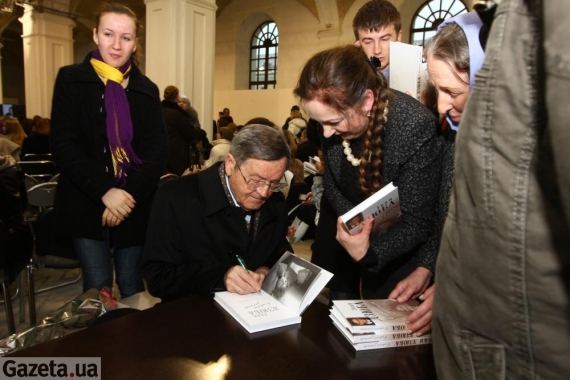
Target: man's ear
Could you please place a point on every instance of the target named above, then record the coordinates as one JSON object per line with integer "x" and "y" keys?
{"x": 400, "y": 36}
{"x": 357, "y": 43}
{"x": 229, "y": 164}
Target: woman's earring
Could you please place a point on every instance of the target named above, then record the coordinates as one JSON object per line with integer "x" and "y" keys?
{"x": 368, "y": 114}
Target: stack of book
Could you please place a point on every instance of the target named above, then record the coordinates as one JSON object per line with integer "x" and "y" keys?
{"x": 372, "y": 324}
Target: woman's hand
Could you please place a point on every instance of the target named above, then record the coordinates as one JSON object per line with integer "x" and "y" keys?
{"x": 420, "y": 320}
{"x": 356, "y": 245}
{"x": 119, "y": 203}
{"x": 416, "y": 286}
{"x": 412, "y": 286}
{"x": 109, "y": 219}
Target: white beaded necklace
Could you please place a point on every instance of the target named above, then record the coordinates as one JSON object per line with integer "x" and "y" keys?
{"x": 346, "y": 144}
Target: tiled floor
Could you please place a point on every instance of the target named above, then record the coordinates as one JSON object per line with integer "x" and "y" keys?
{"x": 48, "y": 302}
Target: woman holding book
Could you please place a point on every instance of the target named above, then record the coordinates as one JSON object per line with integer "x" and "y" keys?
{"x": 374, "y": 136}
{"x": 453, "y": 57}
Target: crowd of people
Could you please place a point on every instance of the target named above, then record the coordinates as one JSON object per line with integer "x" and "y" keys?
{"x": 499, "y": 251}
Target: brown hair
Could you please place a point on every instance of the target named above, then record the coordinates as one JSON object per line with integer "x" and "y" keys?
{"x": 171, "y": 93}
{"x": 339, "y": 78}
{"x": 121, "y": 9}
{"x": 296, "y": 167}
{"x": 375, "y": 15}
{"x": 14, "y": 131}
{"x": 226, "y": 133}
{"x": 450, "y": 46}
{"x": 43, "y": 127}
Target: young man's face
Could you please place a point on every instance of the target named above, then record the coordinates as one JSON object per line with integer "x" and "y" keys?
{"x": 378, "y": 43}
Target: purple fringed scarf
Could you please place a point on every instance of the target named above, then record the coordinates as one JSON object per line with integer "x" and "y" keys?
{"x": 119, "y": 123}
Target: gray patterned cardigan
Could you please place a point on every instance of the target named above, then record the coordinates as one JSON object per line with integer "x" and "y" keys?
{"x": 413, "y": 152}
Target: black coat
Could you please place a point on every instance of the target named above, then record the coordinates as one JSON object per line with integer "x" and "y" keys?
{"x": 181, "y": 134}
{"x": 195, "y": 234}
{"x": 80, "y": 148}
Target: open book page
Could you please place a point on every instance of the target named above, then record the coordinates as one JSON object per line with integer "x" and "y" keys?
{"x": 289, "y": 287}
{"x": 257, "y": 312}
{"x": 295, "y": 282}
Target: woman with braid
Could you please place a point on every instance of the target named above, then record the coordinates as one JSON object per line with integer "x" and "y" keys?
{"x": 108, "y": 139}
{"x": 374, "y": 136}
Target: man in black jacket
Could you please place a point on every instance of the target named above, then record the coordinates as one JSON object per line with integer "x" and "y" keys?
{"x": 201, "y": 224}
{"x": 181, "y": 133}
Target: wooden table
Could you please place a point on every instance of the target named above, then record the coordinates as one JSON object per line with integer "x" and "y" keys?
{"x": 195, "y": 338}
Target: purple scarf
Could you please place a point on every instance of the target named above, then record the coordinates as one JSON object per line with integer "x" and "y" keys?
{"x": 119, "y": 123}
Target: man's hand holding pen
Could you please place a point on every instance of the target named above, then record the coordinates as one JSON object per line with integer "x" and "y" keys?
{"x": 241, "y": 281}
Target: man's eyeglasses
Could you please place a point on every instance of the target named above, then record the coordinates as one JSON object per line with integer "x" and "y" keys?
{"x": 258, "y": 184}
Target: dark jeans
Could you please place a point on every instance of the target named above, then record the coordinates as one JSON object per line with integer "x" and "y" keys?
{"x": 95, "y": 259}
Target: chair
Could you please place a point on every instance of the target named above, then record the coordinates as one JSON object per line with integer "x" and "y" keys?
{"x": 167, "y": 177}
{"x": 41, "y": 170}
{"x": 55, "y": 178}
{"x": 16, "y": 247}
{"x": 37, "y": 157}
{"x": 53, "y": 250}
{"x": 40, "y": 197}
{"x": 50, "y": 250}
{"x": 30, "y": 181}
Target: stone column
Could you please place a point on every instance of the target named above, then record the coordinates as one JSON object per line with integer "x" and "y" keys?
{"x": 48, "y": 45}
{"x": 180, "y": 47}
{"x": 1, "y": 88}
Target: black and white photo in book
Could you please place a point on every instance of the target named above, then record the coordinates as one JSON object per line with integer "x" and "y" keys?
{"x": 289, "y": 281}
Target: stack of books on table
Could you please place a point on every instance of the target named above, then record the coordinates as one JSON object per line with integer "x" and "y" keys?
{"x": 372, "y": 324}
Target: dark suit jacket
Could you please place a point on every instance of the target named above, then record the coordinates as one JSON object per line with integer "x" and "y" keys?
{"x": 80, "y": 148}
{"x": 194, "y": 234}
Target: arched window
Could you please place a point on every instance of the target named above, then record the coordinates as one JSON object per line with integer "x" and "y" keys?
{"x": 430, "y": 15}
{"x": 263, "y": 61}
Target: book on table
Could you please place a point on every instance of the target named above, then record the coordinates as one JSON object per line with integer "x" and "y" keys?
{"x": 407, "y": 68}
{"x": 383, "y": 206}
{"x": 372, "y": 324}
{"x": 288, "y": 289}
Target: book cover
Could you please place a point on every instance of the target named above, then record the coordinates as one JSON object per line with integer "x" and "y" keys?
{"x": 392, "y": 343}
{"x": 373, "y": 315}
{"x": 407, "y": 68}
{"x": 288, "y": 289}
{"x": 385, "y": 341}
{"x": 368, "y": 336}
{"x": 383, "y": 206}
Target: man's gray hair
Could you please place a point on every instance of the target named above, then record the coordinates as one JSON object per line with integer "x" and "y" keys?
{"x": 260, "y": 142}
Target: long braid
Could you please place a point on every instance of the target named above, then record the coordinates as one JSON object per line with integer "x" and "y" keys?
{"x": 370, "y": 171}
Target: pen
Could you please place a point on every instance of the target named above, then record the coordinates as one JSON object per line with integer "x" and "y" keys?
{"x": 242, "y": 264}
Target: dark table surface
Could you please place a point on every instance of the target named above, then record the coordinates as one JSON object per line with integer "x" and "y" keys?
{"x": 195, "y": 338}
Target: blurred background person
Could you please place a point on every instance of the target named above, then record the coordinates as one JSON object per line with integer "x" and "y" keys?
{"x": 14, "y": 131}
{"x": 38, "y": 142}
{"x": 181, "y": 133}
{"x": 220, "y": 146}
